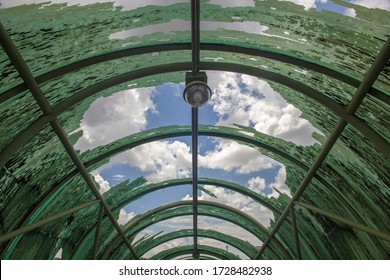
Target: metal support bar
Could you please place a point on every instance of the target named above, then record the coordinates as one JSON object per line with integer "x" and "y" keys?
{"x": 32, "y": 85}
{"x": 97, "y": 234}
{"x": 348, "y": 222}
{"x": 195, "y": 46}
{"x": 195, "y": 32}
{"x": 23, "y": 70}
{"x": 84, "y": 173}
{"x": 23, "y": 137}
{"x": 361, "y": 92}
{"x": 194, "y": 135}
{"x": 258, "y": 227}
{"x": 265, "y": 53}
{"x": 295, "y": 233}
{"x": 28, "y": 228}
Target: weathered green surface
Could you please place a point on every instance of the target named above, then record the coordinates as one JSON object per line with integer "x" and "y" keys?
{"x": 39, "y": 180}
{"x": 147, "y": 243}
{"x": 167, "y": 254}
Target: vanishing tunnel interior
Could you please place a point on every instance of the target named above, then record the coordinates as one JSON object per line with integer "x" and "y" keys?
{"x": 102, "y": 158}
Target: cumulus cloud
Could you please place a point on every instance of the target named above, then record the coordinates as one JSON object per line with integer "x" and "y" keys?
{"x": 233, "y": 3}
{"x": 349, "y": 12}
{"x": 308, "y": 4}
{"x": 104, "y": 185}
{"x": 240, "y": 202}
{"x": 257, "y": 105}
{"x": 124, "y": 217}
{"x": 378, "y": 4}
{"x": 114, "y": 117}
{"x": 164, "y": 160}
{"x": 168, "y": 245}
{"x": 203, "y": 223}
{"x": 161, "y": 160}
{"x": 258, "y": 184}
{"x": 224, "y": 246}
{"x": 279, "y": 183}
{"x": 229, "y": 156}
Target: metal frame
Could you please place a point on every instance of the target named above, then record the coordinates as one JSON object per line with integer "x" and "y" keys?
{"x": 235, "y": 211}
{"x": 215, "y": 134}
{"x": 97, "y": 233}
{"x": 366, "y": 84}
{"x": 23, "y": 137}
{"x": 348, "y": 222}
{"x": 32, "y": 85}
{"x": 219, "y": 236}
{"x": 31, "y": 227}
{"x": 173, "y": 183}
{"x": 207, "y": 250}
{"x": 195, "y": 47}
{"x": 347, "y": 116}
{"x": 295, "y": 233}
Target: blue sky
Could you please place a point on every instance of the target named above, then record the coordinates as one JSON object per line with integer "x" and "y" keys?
{"x": 255, "y": 104}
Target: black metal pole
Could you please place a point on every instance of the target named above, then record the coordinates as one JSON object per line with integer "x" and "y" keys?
{"x": 195, "y": 46}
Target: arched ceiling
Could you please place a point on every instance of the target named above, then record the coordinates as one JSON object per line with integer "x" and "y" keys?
{"x": 319, "y": 189}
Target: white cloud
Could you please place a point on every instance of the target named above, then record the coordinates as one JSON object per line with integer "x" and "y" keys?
{"x": 58, "y": 255}
{"x": 169, "y": 245}
{"x": 161, "y": 160}
{"x": 349, "y": 12}
{"x": 203, "y": 223}
{"x": 308, "y": 4}
{"x": 104, "y": 185}
{"x": 164, "y": 160}
{"x": 248, "y": 101}
{"x": 227, "y": 228}
{"x": 240, "y": 202}
{"x": 233, "y": 3}
{"x": 258, "y": 184}
{"x": 378, "y": 4}
{"x": 279, "y": 183}
{"x": 118, "y": 177}
{"x": 114, "y": 117}
{"x": 224, "y": 246}
{"x": 124, "y": 217}
{"x": 229, "y": 156}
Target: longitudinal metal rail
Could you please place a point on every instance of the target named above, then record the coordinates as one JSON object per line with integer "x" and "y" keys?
{"x": 195, "y": 46}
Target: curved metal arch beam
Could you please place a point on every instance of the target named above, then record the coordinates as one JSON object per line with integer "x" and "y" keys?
{"x": 260, "y": 52}
{"x": 218, "y": 253}
{"x": 204, "y": 131}
{"x": 187, "y": 132}
{"x": 211, "y": 234}
{"x": 244, "y": 138}
{"x": 213, "y": 132}
{"x": 203, "y": 249}
{"x": 22, "y": 138}
{"x": 173, "y": 205}
{"x": 232, "y": 186}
